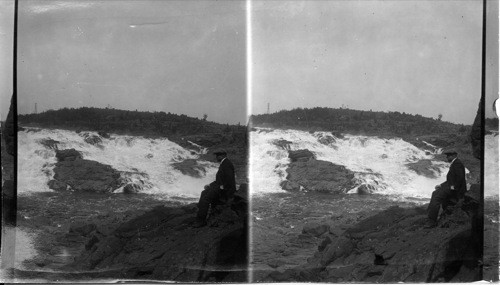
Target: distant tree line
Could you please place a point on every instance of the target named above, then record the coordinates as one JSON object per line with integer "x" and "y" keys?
{"x": 124, "y": 121}
{"x": 357, "y": 122}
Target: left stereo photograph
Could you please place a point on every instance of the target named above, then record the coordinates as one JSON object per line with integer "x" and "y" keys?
{"x": 132, "y": 152}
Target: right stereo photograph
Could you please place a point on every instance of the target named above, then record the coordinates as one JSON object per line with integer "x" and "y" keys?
{"x": 374, "y": 141}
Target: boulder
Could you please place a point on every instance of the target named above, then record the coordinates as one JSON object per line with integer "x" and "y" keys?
{"x": 284, "y": 144}
{"x": 315, "y": 229}
{"x": 87, "y": 175}
{"x": 49, "y": 143}
{"x": 318, "y": 175}
{"x": 104, "y": 135}
{"x": 57, "y": 185}
{"x": 326, "y": 139}
{"x": 365, "y": 189}
{"x": 301, "y": 154}
{"x": 289, "y": 185}
{"x": 68, "y": 155}
{"x": 424, "y": 167}
{"x": 92, "y": 139}
{"x": 328, "y": 240}
{"x": 190, "y": 167}
{"x": 131, "y": 188}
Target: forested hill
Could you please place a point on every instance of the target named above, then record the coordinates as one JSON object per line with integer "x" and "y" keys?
{"x": 123, "y": 121}
{"x": 357, "y": 122}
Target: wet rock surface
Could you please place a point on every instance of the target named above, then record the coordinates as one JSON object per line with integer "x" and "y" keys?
{"x": 49, "y": 143}
{"x": 61, "y": 224}
{"x": 190, "y": 167}
{"x": 300, "y": 155}
{"x": 319, "y": 176}
{"x": 283, "y": 144}
{"x": 162, "y": 244}
{"x": 393, "y": 246}
{"x": 78, "y": 174}
{"x": 68, "y": 155}
{"x": 365, "y": 189}
{"x": 425, "y": 167}
{"x": 288, "y": 228}
{"x": 89, "y": 236}
{"x": 92, "y": 139}
{"x": 131, "y": 188}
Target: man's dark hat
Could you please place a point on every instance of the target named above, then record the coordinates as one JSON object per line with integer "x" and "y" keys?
{"x": 450, "y": 151}
{"x": 220, "y": 152}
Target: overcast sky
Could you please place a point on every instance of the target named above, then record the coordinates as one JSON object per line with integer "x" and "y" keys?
{"x": 419, "y": 57}
{"x": 189, "y": 57}
{"x": 184, "y": 57}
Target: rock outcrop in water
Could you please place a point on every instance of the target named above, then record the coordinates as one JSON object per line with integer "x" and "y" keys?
{"x": 424, "y": 167}
{"x": 72, "y": 172}
{"x": 308, "y": 174}
{"x": 190, "y": 167}
{"x": 393, "y": 246}
{"x": 300, "y": 155}
{"x": 49, "y": 143}
{"x": 162, "y": 244}
{"x": 92, "y": 139}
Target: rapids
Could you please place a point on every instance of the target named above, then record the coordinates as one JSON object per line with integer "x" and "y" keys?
{"x": 143, "y": 161}
{"x": 376, "y": 161}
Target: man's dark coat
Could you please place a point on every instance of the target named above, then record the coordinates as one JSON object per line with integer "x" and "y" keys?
{"x": 456, "y": 178}
{"x": 443, "y": 195}
{"x": 211, "y": 195}
{"x": 225, "y": 177}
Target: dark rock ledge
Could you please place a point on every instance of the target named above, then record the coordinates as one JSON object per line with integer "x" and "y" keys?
{"x": 162, "y": 244}
{"x": 307, "y": 173}
{"x": 72, "y": 172}
{"x": 393, "y": 246}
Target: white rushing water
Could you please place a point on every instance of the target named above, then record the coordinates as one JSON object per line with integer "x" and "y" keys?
{"x": 143, "y": 161}
{"x": 491, "y": 169}
{"x": 378, "y": 162}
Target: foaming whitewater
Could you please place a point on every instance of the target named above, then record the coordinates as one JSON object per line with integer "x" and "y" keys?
{"x": 491, "y": 171}
{"x": 375, "y": 161}
{"x": 142, "y": 161}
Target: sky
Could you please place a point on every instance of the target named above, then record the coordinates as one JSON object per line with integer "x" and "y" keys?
{"x": 418, "y": 57}
{"x": 189, "y": 57}
{"x": 183, "y": 57}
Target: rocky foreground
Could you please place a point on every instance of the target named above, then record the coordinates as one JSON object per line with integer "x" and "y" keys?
{"x": 162, "y": 244}
{"x": 111, "y": 237}
{"x": 393, "y": 246}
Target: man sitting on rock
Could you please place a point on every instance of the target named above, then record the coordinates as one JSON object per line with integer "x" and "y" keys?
{"x": 453, "y": 189}
{"x": 223, "y": 187}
